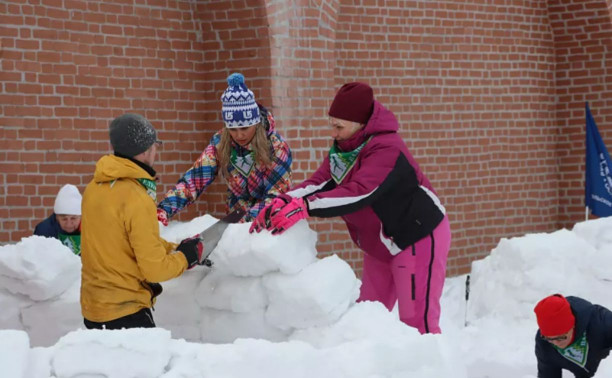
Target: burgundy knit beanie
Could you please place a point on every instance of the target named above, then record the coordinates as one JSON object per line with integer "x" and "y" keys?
{"x": 554, "y": 315}
{"x": 353, "y": 102}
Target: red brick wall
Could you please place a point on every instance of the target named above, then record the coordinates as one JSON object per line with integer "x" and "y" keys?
{"x": 303, "y": 63}
{"x": 234, "y": 38}
{"x": 583, "y": 38}
{"x": 489, "y": 96}
{"x": 69, "y": 67}
{"x": 472, "y": 86}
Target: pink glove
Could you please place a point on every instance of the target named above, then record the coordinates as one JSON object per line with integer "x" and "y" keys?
{"x": 162, "y": 216}
{"x": 263, "y": 218}
{"x": 288, "y": 215}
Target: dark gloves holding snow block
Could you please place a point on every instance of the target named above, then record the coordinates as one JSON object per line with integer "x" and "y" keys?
{"x": 192, "y": 248}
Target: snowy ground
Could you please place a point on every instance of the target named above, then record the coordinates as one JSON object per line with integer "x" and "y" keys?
{"x": 270, "y": 308}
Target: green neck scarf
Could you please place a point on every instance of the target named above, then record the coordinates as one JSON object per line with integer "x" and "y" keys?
{"x": 577, "y": 352}
{"x": 244, "y": 164}
{"x": 71, "y": 241}
{"x": 150, "y": 186}
{"x": 340, "y": 163}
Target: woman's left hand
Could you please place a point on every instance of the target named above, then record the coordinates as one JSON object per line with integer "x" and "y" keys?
{"x": 288, "y": 215}
{"x": 262, "y": 221}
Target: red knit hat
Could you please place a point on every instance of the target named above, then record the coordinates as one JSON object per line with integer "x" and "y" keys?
{"x": 353, "y": 102}
{"x": 554, "y": 315}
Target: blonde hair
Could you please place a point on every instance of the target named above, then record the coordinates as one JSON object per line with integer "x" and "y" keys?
{"x": 260, "y": 144}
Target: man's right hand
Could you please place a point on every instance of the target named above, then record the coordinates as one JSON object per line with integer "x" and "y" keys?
{"x": 162, "y": 216}
{"x": 193, "y": 249}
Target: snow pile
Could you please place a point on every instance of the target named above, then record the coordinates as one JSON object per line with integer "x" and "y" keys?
{"x": 126, "y": 353}
{"x": 14, "y": 351}
{"x": 286, "y": 313}
{"x": 39, "y": 285}
{"x": 363, "y": 340}
{"x": 520, "y": 270}
{"x": 266, "y": 286}
{"x": 506, "y": 286}
{"x": 367, "y": 342}
{"x": 368, "y": 329}
{"x": 597, "y": 234}
{"x": 261, "y": 286}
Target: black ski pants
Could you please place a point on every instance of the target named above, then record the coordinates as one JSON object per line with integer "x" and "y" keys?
{"x": 140, "y": 319}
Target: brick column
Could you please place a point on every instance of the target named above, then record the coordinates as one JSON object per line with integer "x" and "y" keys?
{"x": 303, "y": 52}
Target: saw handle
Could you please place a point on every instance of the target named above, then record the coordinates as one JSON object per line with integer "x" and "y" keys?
{"x": 207, "y": 262}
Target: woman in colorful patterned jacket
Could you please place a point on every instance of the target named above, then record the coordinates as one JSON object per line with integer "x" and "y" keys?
{"x": 371, "y": 180}
{"x": 252, "y": 157}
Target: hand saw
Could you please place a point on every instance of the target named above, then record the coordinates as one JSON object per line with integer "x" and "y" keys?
{"x": 211, "y": 236}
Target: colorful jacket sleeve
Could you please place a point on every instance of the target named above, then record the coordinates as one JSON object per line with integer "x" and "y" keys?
{"x": 194, "y": 181}
{"x": 277, "y": 179}
{"x": 371, "y": 178}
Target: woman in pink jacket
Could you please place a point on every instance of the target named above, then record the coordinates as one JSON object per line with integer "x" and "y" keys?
{"x": 392, "y": 212}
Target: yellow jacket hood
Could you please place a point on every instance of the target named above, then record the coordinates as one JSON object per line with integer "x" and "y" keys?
{"x": 111, "y": 167}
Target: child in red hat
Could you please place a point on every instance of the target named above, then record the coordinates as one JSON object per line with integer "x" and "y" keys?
{"x": 573, "y": 334}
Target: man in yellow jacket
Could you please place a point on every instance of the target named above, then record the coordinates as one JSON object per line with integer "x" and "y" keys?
{"x": 122, "y": 252}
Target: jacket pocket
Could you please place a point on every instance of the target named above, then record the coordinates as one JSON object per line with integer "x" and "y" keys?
{"x": 154, "y": 288}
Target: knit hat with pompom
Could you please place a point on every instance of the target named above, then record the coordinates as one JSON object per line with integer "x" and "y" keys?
{"x": 239, "y": 106}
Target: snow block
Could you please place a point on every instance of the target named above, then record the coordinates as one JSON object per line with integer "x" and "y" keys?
{"x": 242, "y": 254}
{"x": 38, "y": 267}
{"x": 220, "y": 291}
{"x": 226, "y": 327}
{"x": 14, "y": 351}
{"x": 138, "y": 352}
{"x": 318, "y": 295}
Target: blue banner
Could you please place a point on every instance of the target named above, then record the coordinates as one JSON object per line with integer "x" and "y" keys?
{"x": 598, "y": 180}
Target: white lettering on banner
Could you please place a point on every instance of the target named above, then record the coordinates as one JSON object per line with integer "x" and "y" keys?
{"x": 602, "y": 200}
{"x": 247, "y": 114}
{"x": 229, "y": 115}
{"x": 604, "y": 171}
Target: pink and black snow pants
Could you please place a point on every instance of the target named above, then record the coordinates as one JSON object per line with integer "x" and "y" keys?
{"x": 414, "y": 278}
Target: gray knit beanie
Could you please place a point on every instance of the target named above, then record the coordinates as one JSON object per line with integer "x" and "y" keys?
{"x": 131, "y": 134}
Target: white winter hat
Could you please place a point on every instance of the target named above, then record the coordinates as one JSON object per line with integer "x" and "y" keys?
{"x": 68, "y": 201}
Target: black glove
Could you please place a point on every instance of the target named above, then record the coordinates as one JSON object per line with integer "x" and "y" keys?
{"x": 192, "y": 248}
{"x": 156, "y": 289}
